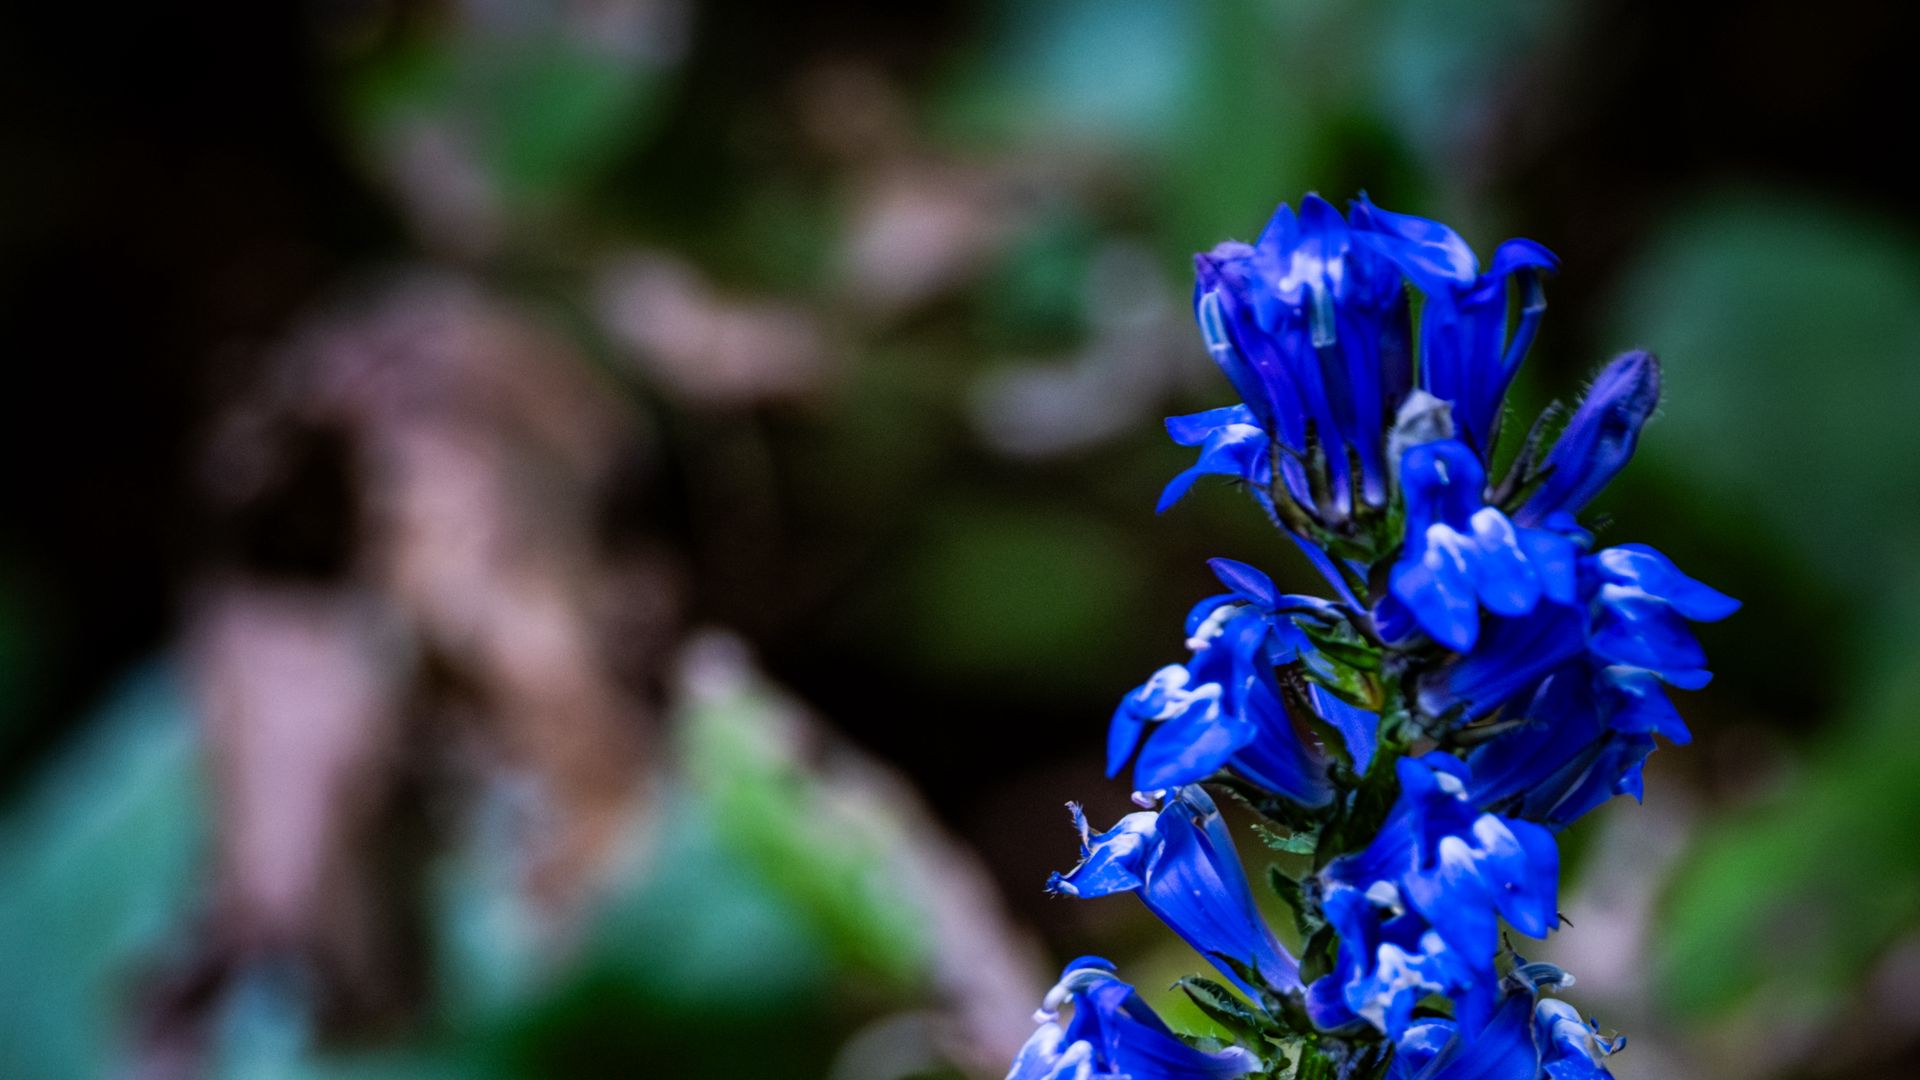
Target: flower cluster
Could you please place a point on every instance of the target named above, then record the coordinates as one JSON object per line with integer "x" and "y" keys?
{"x": 1479, "y": 676}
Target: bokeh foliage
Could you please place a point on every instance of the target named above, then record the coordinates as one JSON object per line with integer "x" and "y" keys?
{"x": 959, "y": 604}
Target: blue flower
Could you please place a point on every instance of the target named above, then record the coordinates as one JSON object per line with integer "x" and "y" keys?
{"x": 1474, "y": 621}
{"x": 1468, "y": 356}
{"x": 1501, "y": 1048}
{"x": 1418, "y": 910}
{"x": 1598, "y": 440}
{"x": 1571, "y": 1048}
{"x": 1231, "y": 444}
{"x": 1584, "y": 685}
{"x": 1461, "y": 555}
{"x": 1583, "y": 739}
{"x": 1390, "y": 959}
{"x": 1223, "y": 708}
{"x": 1312, "y": 329}
{"x": 1311, "y": 325}
{"x": 1113, "y": 1033}
{"x": 1524, "y": 1039}
{"x": 1183, "y": 864}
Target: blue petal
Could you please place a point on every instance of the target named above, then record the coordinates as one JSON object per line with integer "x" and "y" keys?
{"x": 1123, "y": 736}
{"x": 1639, "y": 630}
{"x": 1530, "y": 886}
{"x": 1247, "y": 581}
{"x": 1324, "y": 563}
{"x": 1190, "y": 747}
{"x": 1435, "y": 582}
{"x": 1114, "y": 1033}
{"x": 1236, "y": 450}
{"x": 1655, "y": 574}
{"x": 1197, "y": 887}
{"x": 1360, "y": 728}
{"x": 1512, "y": 657}
{"x": 1039, "y": 1059}
{"x": 1505, "y": 581}
{"x": 1430, "y": 253}
{"x": 1442, "y": 481}
{"x": 1193, "y": 429}
{"x": 1555, "y": 558}
{"x": 1599, "y": 439}
{"x": 1519, "y": 254}
{"x": 1502, "y": 1049}
{"x": 1637, "y": 702}
{"x": 1282, "y": 232}
{"x": 1275, "y": 758}
{"x": 1111, "y": 862}
{"x": 1182, "y": 863}
{"x": 1569, "y": 1049}
{"x": 1204, "y": 611}
{"x": 1421, "y": 1044}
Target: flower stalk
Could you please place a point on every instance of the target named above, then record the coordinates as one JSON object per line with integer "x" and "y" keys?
{"x": 1480, "y": 677}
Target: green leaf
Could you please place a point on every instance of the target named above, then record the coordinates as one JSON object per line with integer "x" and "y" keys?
{"x": 1342, "y": 644}
{"x": 1316, "y": 957}
{"x": 1272, "y": 807}
{"x": 1825, "y": 873}
{"x": 1227, "y": 1009}
{"x": 1293, "y": 843}
{"x": 1293, "y": 893}
{"x": 1269, "y": 1002}
{"x": 103, "y": 857}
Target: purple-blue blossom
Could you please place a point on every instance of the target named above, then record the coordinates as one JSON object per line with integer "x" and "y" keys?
{"x": 1182, "y": 864}
{"x": 1478, "y": 677}
{"x": 1419, "y": 908}
{"x": 1113, "y": 1033}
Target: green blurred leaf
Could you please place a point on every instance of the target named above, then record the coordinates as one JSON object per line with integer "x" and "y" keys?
{"x": 101, "y": 859}
{"x": 542, "y": 114}
{"x": 829, "y": 850}
{"x": 1796, "y": 898}
{"x": 999, "y": 592}
{"x": 1099, "y": 70}
{"x": 1790, "y": 335}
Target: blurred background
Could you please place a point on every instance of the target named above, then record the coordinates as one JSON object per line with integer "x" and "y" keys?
{"x": 594, "y": 538}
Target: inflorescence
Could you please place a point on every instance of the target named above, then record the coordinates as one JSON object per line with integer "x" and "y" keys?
{"x": 1479, "y": 677}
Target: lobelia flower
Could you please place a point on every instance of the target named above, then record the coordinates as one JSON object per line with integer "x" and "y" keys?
{"x": 1223, "y": 708}
{"x": 1232, "y": 443}
{"x": 1310, "y": 324}
{"x": 1113, "y": 1033}
{"x": 1550, "y": 693}
{"x": 1461, "y": 555}
{"x": 1524, "y": 1040}
{"x": 1586, "y": 684}
{"x": 1390, "y": 958}
{"x": 1418, "y": 909}
{"x": 1468, "y": 356}
{"x": 1571, "y": 1048}
{"x": 1182, "y": 863}
{"x": 1585, "y": 736}
{"x": 1598, "y": 440}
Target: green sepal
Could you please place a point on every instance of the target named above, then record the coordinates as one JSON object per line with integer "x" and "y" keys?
{"x": 1229, "y": 1011}
{"x": 1316, "y": 956}
{"x": 1274, "y": 808}
{"x": 1291, "y": 843}
{"x": 1341, "y": 643}
{"x": 1351, "y": 685}
{"x": 1306, "y": 918}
